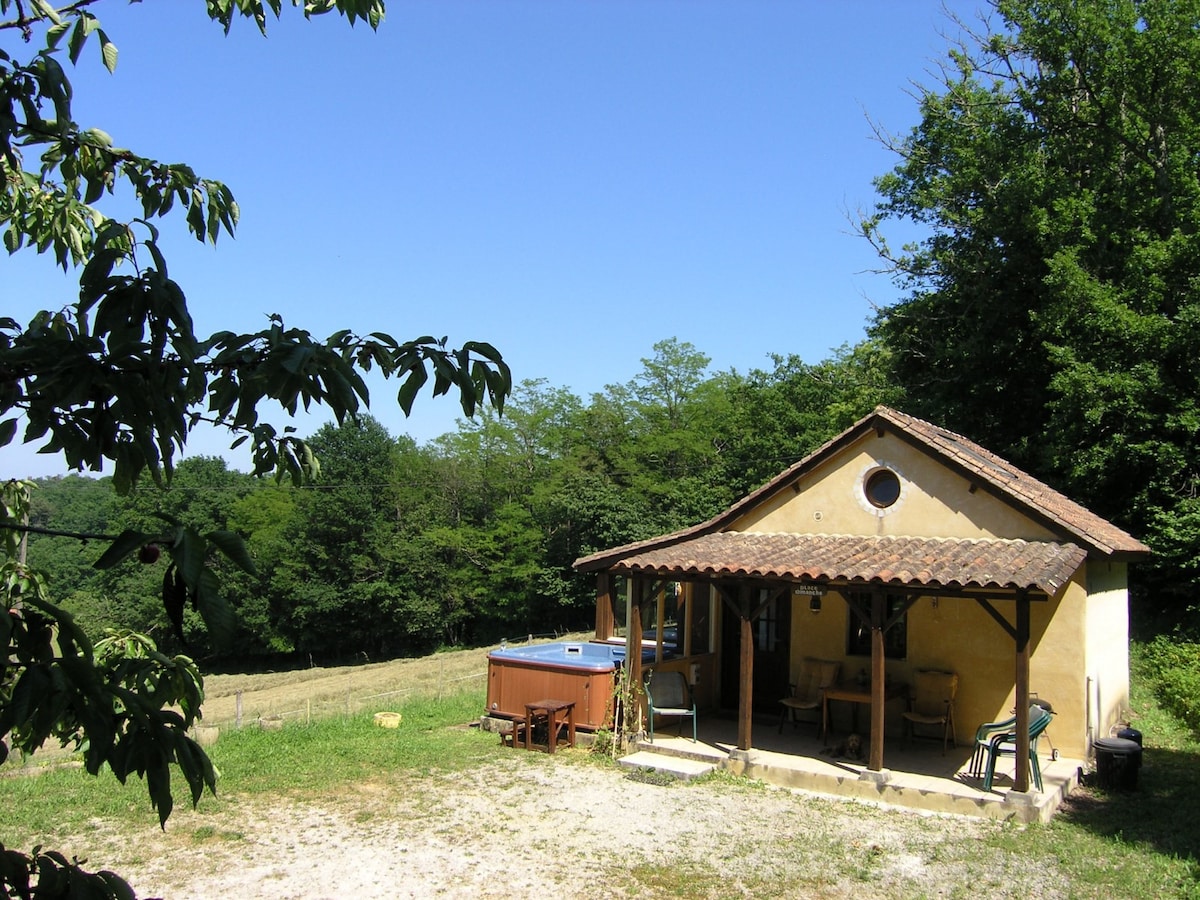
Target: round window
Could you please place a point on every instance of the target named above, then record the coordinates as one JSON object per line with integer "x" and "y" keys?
{"x": 882, "y": 488}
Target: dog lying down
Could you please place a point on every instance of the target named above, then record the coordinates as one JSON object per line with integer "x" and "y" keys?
{"x": 850, "y": 748}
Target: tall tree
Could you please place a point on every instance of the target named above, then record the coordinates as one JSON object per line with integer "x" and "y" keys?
{"x": 509, "y": 552}
{"x": 337, "y": 581}
{"x": 778, "y": 416}
{"x": 1053, "y": 308}
{"x": 118, "y": 377}
{"x": 676, "y": 433}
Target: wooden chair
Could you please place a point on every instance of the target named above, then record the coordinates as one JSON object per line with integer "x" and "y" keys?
{"x": 515, "y": 735}
{"x": 807, "y": 694}
{"x": 932, "y": 704}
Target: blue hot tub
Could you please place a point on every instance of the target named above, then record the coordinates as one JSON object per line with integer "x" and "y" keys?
{"x": 576, "y": 671}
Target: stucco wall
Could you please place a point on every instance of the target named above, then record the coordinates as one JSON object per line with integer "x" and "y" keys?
{"x": 956, "y": 634}
{"x": 934, "y": 502}
{"x": 1107, "y": 644}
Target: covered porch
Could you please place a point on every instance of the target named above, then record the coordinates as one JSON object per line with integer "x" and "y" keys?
{"x": 859, "y": 574}
{"x": 918, "y": 777}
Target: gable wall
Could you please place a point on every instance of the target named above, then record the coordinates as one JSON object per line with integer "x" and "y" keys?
{"x": 934, "y": 501}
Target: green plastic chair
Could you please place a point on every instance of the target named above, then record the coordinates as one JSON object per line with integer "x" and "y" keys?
{"x": 983, "y": 734}
{"x": 668, "y": 694}
{"x": 1005, "y": 744}
{"x": 983, "y": 737}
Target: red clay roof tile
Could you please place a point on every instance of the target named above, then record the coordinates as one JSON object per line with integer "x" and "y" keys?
{"x": 901, "y": 561}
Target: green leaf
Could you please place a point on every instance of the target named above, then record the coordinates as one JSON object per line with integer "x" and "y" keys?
{"x": 188, "y": 552}
{"x": 108, "y": 51}
{"x": 409, "y": 388}
{"x": 78, "y": 39}
{"x": 45, "y": 9}
{"x": 174, "y": 598}
{"x": 231, "y": 544}
{"x": 126, "y": 542}
{"x": 219, "y": 616}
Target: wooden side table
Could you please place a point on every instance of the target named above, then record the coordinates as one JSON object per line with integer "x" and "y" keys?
{"x": 856, "y": 694}
{"x": 557, "y": 713}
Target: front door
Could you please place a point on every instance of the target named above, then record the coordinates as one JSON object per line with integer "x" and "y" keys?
{"x": 772, "y": 654}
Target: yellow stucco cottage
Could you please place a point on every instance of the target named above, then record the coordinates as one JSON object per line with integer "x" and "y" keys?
{"x": 896, "y": 548}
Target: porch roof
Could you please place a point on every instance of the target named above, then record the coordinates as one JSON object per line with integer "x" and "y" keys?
{"x": 929, "y": 563}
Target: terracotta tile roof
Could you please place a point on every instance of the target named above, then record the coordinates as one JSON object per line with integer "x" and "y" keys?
{"x": 1002, "y": 477}
{"x": 901, "y": 561}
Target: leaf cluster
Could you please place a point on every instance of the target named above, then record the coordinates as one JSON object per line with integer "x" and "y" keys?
{"x": 120, "y": 377}
{"x": 49, "y": 875}
{"x": 122, "y": 703}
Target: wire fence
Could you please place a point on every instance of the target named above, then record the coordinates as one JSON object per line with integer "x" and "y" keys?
{"x": 301, "y": 702}
{"x": 351, "y": 703}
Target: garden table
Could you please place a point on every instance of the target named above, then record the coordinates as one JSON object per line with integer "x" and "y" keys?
{"x": 557, "y": 713}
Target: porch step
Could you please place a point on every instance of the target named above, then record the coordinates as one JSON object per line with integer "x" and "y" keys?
{"x": 676, "y": 766}
{"x": 683, "y": 748}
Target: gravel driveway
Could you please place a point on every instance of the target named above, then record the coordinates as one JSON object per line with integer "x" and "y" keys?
{"x": 533, "y": 825}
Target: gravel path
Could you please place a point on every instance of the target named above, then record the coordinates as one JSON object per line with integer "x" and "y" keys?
{"x": 532, "y": 825}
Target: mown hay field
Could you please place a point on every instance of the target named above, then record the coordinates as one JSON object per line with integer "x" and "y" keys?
{"x": 323, "y": 691}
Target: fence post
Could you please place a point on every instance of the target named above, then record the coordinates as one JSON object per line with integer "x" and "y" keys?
{"x": 239, "y": 709}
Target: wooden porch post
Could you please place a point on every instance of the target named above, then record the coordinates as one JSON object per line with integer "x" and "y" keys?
{"x": 633, "y": 646}
{"x": 1022, "y": 691}
{"x": 1020, "y": 637}
{"x": 878, "y": 670}
{"x": 604, "y": 607}
{"x": 746, "y": 656}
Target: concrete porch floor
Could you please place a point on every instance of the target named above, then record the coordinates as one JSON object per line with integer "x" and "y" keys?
{"x": 916, "y": 776}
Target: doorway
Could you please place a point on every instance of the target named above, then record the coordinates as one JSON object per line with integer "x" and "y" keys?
{"x": 772, "y": 653}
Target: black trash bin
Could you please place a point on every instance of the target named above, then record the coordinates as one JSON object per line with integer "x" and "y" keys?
{"x": 1117, "y": 763}
{"x": 1131, "y": 734}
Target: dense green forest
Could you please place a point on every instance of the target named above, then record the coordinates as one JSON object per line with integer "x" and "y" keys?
{"x": 397, "y": 548}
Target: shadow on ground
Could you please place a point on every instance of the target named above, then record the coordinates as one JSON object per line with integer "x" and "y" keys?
{"x": 1161, "y": 812}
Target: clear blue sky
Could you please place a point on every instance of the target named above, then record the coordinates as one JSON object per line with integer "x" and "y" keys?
{"x": 571, "y": 181}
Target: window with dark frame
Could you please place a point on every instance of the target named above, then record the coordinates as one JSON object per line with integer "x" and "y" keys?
{"x": 882, "y": 488}
{"x": 766, "y": 628}
{"x": 858, "y": 633}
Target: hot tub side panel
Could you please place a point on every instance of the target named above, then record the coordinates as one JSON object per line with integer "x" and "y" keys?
{"x": 513, "y": 683}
